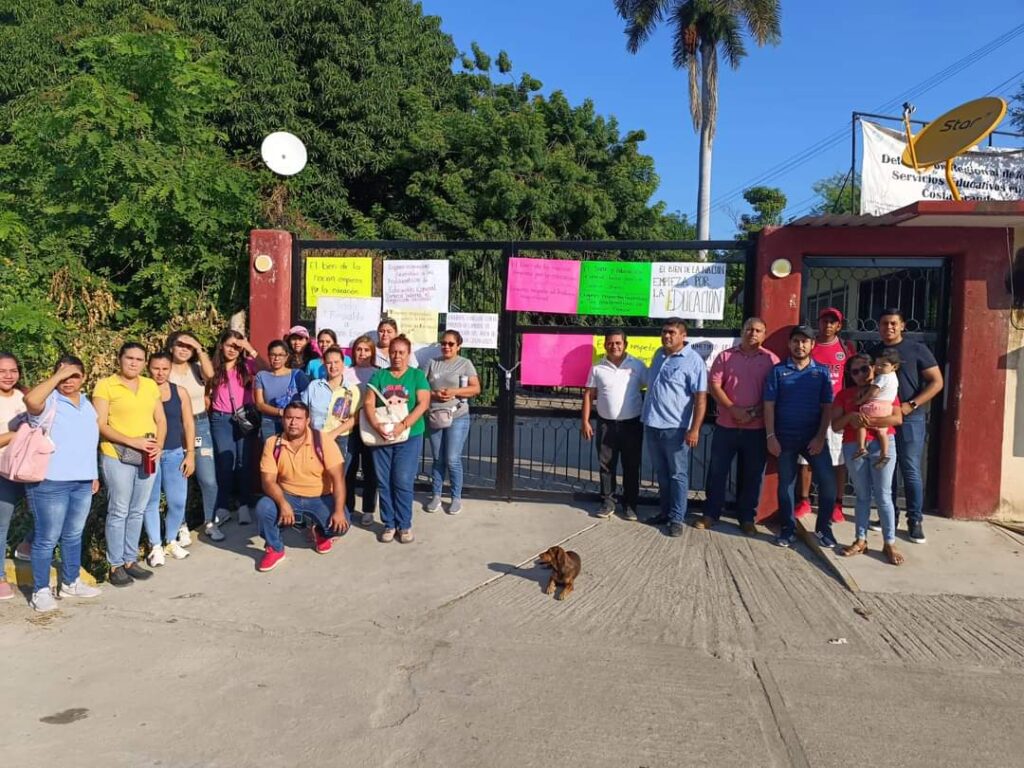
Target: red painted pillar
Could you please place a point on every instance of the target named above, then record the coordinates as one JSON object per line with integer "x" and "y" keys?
{"x": 778, "y": 302}
{"x": 270, "y": 286}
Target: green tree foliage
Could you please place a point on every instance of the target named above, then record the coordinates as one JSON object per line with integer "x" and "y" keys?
{"x": 118, "y": 192}
{"x": 834, "y": 194}
{"x": 768, "y": 204}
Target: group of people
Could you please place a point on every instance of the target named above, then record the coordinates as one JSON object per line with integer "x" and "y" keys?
{"x": 279, "y": 435}
{"x": 837, "y": 412}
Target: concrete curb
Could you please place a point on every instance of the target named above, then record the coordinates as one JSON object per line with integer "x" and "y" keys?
{"x": 19, "y": 574}
{"x": 831, "y": 562}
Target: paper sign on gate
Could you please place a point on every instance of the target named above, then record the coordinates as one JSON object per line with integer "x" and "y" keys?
{"x": 687, "y": 289}
{"x": 710, "y": 347}
{"x": 338, "y": 276}
{"x": 619, "y": 288}
{"x": 416, "y": 285}
{"x": 542, "y": 285}
{"x": 479, "y": 330}
{"x": 556, "y": 359}
{"x": 418, "y": 324}
{"x": 349, "y": 318}
{"x": 640, "y": 347}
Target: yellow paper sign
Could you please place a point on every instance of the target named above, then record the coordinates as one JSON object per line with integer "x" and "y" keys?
{"x": 640, "y": 347}
{"x": 420, "y": 325}
{"x": 343, "y": 277}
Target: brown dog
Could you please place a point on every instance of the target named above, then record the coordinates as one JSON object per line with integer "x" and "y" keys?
{"x": 565, "y": 568}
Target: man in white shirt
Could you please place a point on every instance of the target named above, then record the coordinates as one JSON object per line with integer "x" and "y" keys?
{"x": 614, "y": 390}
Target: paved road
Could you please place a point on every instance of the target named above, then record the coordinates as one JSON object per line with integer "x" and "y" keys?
{"x": 711, "y": 649}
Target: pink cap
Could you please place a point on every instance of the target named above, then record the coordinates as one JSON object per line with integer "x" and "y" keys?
{"x": 831, "y": 311}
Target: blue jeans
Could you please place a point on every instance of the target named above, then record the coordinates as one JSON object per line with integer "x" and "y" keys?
{"x": 910, "y": 451}
{"x": 233, "y": 455}
{"x": 867, "y": 482}
{"x": 824, "y": 475}
{"x": 128, "y": 492}
{"x": 316, "y": 509}
{"x": 751, "y": 447}
{"x": 671, "y": 458}
{"x": 60, "y": 508}
{"x": 206, "y": 467}
{"x": 446, "y": 448}
{"x": 175, "y": 487}
{"x": 360, "y": 455}
{"x": 396, "y": 474}
{"x": 270, "y": 426}
{"x": 10, "y": 492}
{"x": 342, "y": 443}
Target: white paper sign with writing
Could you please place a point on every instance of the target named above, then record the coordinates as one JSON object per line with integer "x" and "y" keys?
{"x": 479, "y": 329}
{"x": 416, "y": 284}
{"x": 349, "y": 318}
{"x": 688, "y": 289}
{"x": 710, "y": 347}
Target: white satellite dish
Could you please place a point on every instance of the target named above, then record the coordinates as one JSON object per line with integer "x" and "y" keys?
{"x": 284, "y": 153}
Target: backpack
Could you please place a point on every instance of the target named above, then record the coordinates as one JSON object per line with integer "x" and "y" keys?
{"x": 28, "y": 455}
{"x": 318, "y": 447}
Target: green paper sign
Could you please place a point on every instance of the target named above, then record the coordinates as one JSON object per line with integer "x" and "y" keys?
{"x": 614, "y": 288}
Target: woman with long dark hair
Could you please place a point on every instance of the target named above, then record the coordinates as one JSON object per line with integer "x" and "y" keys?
{"x": 12, "y": 406}
{"x": 364, "y": 357}
{"x": 191, "y": 368}
{"x": 133, "y": 427}
{"x": 234, "y": 424}
{"x": 275, "y": 387}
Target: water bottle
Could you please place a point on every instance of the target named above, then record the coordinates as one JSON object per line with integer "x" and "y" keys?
{"x": 148, "y": 461}
{"x": 463, "y": 382}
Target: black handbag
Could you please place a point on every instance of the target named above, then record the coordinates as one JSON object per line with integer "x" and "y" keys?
{"x": 246, "y": 418}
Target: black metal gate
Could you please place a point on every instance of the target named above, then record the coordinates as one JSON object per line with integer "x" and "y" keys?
{"x": 862, "y": 288}
{"x": 525, "y": 442}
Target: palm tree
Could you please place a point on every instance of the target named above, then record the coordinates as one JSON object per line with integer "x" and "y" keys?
{"x": 702, "y": 28}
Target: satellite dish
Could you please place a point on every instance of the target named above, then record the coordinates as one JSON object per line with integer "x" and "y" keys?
{"x": 952, "y": 134}
{"x": 284, "y": 153}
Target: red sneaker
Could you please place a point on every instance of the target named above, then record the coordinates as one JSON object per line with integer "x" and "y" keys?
{"x": 803, "y": 507}
{"x": 837, "y": 513}
{"x": 322, "y": 544}
{"x": 270, "y": 559}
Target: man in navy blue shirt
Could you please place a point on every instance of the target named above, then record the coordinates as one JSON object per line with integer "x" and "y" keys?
{"x": 797, "y": 405}
{"x": 673, "y": 413}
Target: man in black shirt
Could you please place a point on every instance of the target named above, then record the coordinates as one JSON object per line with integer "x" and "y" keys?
{"x": 920, "y": 380}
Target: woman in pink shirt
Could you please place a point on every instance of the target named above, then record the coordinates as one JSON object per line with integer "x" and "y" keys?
{"x": 234, "y": 423}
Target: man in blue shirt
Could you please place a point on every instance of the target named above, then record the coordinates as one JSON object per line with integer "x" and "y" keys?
{"x": 673, "y": 414}
{"x": 797, "y": 405}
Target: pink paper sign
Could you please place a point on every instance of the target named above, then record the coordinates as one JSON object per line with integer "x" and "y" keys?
{"x": 543, "y": 285}
{"x": 556, "y": 359}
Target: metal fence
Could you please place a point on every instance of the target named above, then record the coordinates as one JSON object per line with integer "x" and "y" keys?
{"x": 525, "y": 442}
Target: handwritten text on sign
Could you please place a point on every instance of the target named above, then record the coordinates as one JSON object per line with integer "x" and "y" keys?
{"x": 349, "y": 318}
{"x": 419, "y": 325}
{"x": 479, "y": 330}
{"x": 416, "y": 284}
{"x": 687, "y": 289}
{"x": 338, "y": 276}
{"x": 543, "y": 285}
{"x": 614, "y": 288}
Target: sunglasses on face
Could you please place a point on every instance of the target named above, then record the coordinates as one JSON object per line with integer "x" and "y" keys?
{"x": 860, "y": 370}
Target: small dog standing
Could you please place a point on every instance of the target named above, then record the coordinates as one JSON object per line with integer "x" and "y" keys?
{"x": 565, "y": 568}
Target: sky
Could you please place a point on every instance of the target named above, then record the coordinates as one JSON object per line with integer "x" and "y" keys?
{"x": 834, "y": 58}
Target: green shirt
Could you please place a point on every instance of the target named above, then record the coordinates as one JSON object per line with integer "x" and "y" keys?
{"x": 402, "y": 390}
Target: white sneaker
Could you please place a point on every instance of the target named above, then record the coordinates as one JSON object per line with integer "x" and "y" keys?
{"x": 79, "y": 589}
{"x": 221, "y": 516}
{"x": 175, "y": 550}
{"x": 244, "y": 517}
{"x": 155, "y": 557}
{"x": 184, "y": 536}
{"x": 213, "y": 532}
{"x": 44, "y": 601}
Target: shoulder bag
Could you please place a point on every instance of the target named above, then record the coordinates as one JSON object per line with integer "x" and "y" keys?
{"x": 28, "y": 454}
{"x": 387, "y": 414}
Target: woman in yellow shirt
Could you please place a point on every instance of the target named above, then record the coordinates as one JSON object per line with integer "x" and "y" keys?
{"x": 132, "y": 425}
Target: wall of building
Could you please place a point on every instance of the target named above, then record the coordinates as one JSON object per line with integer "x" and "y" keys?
{"x": 1011, "y": 491}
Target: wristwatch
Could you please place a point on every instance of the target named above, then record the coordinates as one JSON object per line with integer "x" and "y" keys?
{"x": 913, "y": 404}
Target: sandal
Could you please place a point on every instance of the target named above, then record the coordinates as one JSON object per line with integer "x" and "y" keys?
{"x": 881, "y": 462}
{"x": 893, "y": 555}
{"x": 859, "y": 547}
{"x": 861, "y": 453}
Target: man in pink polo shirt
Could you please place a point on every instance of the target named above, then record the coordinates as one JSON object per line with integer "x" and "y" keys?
{"x": 736, "y": 383}
{"x": 833, "y": 353}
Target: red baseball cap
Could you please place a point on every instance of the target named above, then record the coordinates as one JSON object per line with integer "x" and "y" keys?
{"x": 831, "y": 311}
